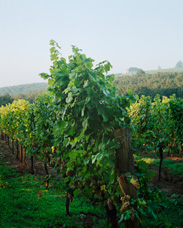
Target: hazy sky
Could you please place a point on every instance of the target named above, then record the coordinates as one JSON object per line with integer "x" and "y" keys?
{"x": 141, "y": 33}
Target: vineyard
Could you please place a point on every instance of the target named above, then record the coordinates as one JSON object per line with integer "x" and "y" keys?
{"x": 93, "y": 140}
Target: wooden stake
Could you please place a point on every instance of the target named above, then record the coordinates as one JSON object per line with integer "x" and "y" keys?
{"x": 17, "y": 149}
{"x": 67, "y": 205}
{"x": 124, "y": 153}
{"x": 12, "y": 146}
{"x": 20, "y": 157}
{"x": 8, "y": 141}
{"x": 124, "y": 158}
{"x": 23, "y": 155}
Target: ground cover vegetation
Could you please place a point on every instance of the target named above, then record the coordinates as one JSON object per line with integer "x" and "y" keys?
{"x": 26, "y": 203}
{"x": 71, "y": 128}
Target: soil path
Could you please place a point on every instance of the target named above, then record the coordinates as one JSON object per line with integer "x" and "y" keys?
{"x": 171, "y": 184}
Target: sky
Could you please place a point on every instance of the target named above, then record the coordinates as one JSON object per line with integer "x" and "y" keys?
{"x": 129, "y": 33}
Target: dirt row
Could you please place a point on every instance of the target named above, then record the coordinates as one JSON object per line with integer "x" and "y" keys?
{"x": 169, "y": 183}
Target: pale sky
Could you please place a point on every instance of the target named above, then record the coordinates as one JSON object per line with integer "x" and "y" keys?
{"x": 138, "y": 33}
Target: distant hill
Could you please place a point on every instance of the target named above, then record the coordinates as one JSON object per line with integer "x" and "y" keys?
{"x": 172, "y": 70}
{"x": 23, "y": 89}
{"x": 168, "y": 70}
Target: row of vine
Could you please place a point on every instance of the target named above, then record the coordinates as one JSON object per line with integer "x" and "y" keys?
{"x": 158, "y": 125}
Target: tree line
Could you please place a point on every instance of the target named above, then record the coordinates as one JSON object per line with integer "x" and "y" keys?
{"x": 8, "y": 99}
{"x": 164, "y": 84}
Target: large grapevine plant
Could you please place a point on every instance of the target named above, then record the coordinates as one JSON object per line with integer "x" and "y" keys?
{"x": 86, "y": 111}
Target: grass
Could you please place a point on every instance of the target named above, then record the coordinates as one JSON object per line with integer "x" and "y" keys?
{"x": 174, "y": 211}
{"x": 175, "y": 168}
{"x": 25, "y": 203}
{"x": 171, "y": 216}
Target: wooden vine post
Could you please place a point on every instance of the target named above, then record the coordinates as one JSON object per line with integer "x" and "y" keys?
{"x": 17, "y": 149}
{"x": 20, "y": 156}
{"x": 125, "y": 164}
{"x": 12, "y": 146}
{"x": 23, "y": 159}
{"x": 8, "y": 140}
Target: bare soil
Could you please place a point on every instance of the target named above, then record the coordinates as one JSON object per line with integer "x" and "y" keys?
{"x": 171, "y": 184}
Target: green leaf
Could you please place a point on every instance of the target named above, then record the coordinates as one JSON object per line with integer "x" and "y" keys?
{"x": 69, "y": 98}
{"x": 121, "y": 218}
{"x": 71, "y": 131}
{"x": 85, "y": 123}
{"x": 66, "y": 179}
{"x": 130, "y": 92}
{"x": 106, "y": 92}
{"x": 66, "y": 142}
{"x": 127, "y": 215}
{"x": 101, "y": 146}
{"x": 77, "y": 192}
{"x": 63, "y": 124}
{"x": 102, "y": 111}
{"x": 83, "y": 111}
{"x": 85, "y": 83}
{"x": 110, "y": 78}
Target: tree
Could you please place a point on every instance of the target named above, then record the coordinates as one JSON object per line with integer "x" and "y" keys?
{"x": 179, "y": 64}
{"x": 6, "y": 99}
{"x": 140, "y": 72}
